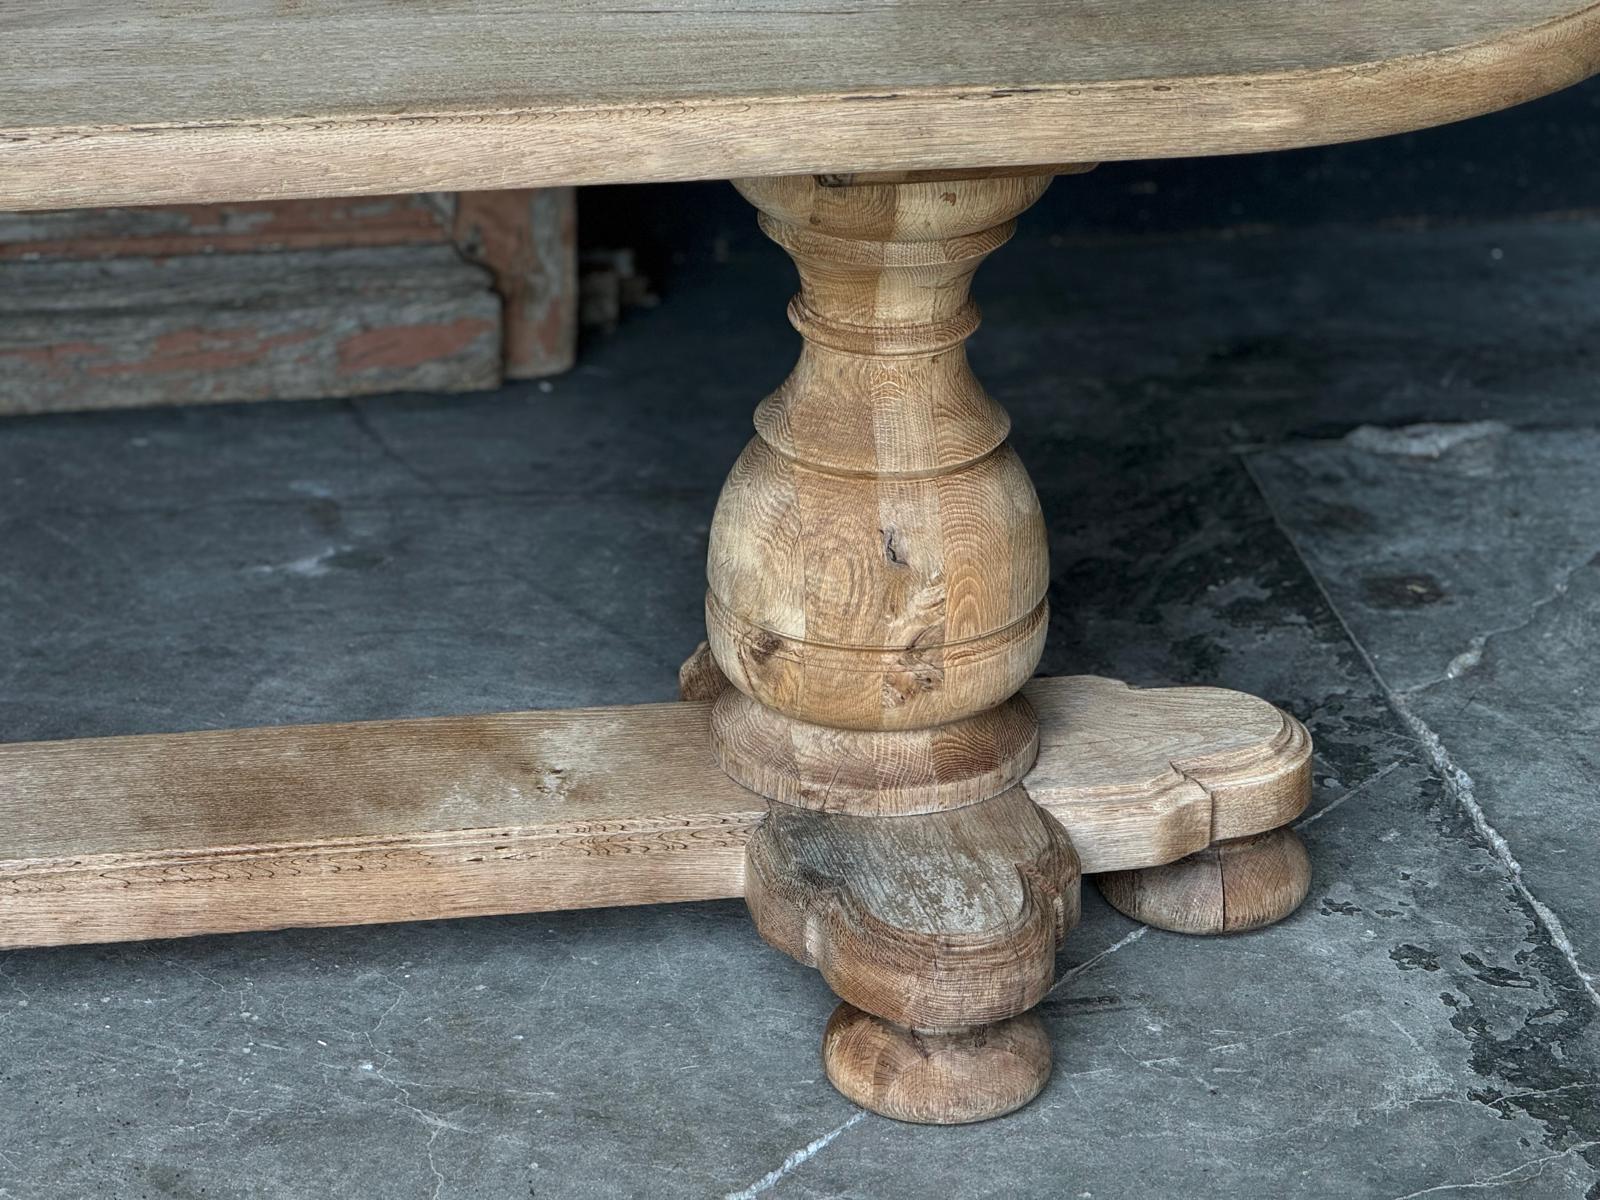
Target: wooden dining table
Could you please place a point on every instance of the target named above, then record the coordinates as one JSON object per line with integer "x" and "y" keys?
{"x": 861, "y": 750}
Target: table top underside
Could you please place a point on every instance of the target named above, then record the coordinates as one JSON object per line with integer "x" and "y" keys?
{"x": 185, "y": 100}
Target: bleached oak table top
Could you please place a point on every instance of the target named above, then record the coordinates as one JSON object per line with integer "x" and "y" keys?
{"x": 148, "y": 101}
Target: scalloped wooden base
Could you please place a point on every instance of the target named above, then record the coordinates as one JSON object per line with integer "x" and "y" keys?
{"x": 939, "y": 921}
{"x": 945, "y": 923}
{"x": 1143, "y": 777}
{"x": 1141, "y": 781}
{"x": 939, "y": 931}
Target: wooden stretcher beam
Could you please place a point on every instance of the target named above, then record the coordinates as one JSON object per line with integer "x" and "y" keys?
{"x": 115, "y": 839}
{"x": 121, "y": 839}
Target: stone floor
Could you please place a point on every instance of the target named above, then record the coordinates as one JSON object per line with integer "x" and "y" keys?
{"x": 1356, "y": 471}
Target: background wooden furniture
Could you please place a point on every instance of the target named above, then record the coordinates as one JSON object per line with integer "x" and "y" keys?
{"x": 877, "y": 570}
{"x": 285, "y": 299}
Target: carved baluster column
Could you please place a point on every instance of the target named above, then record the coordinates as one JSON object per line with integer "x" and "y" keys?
{"x": 878, "y": 562}
{"x": 877, "y": 573}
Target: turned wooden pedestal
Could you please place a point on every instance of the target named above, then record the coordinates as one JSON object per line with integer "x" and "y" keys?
{"x": 878, "y": 569}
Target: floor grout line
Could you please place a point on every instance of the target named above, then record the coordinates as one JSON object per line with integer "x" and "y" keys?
{"x": 1504, "y": 1177}
{"x": 1085, "y": 965}
{"x": 1345, "y": 795}
{"x": 1460, "y": 785}
{"x": 773, "y": 1177}
{"x": 1457, "y": 782}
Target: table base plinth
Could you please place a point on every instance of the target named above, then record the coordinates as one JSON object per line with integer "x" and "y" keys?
{"x": 119, "y": 839}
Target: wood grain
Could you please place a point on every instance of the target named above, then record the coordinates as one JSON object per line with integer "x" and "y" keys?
{"x": 699, "y": 678}
{"x": 877, "y": 565}
{"x": 205, "y": 328}
{"x": 194, "y": 100}
{"x": 870, "y": 773}
{"x": 936, "y": 1078}
{"x": 1142, "y": 776}
{"x": 941, "y": 921}
{"x": 939, "y": 931}
{"x": 116, "y": 839}
{"x": 1230, "y": 887}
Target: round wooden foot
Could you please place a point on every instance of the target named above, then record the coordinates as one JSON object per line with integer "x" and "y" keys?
{"x": 936, "y": 1078}
{"x": 1229, "y": 887}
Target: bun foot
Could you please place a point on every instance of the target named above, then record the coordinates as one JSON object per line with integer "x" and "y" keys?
{"x": 1229, "y": 887}
{"x": 947, "y": 1078}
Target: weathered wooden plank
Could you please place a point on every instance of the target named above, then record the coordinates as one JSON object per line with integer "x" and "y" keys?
{"x": 186, "y": 309}
{"x": 144, "y": 102}
{"x": 202, "y": 328}
{"x": 112, "y": 839}
{"x": 115, "y": 839}
{"x": 264, "y": 225}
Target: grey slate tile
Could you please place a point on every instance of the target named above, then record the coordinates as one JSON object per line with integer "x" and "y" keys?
{"x": 1411, "y": 1030}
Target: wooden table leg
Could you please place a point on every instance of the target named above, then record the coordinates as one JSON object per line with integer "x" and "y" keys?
{"x": 878, "y": 569}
